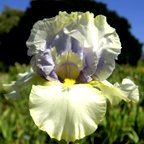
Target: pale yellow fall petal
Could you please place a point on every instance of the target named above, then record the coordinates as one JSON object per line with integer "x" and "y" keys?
{"x": 67, "y": 111}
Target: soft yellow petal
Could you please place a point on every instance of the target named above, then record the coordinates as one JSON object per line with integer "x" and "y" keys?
{"x": 68, "y": 65}
{"x": 67, "y": 113}
{"x": 127, "y": 91}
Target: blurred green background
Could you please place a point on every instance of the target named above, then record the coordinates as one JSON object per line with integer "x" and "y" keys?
{"x": 123, "y": 123}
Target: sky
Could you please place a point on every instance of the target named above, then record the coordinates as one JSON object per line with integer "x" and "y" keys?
{"x": 19, "y": 4}
{"x": 132, "y": 10}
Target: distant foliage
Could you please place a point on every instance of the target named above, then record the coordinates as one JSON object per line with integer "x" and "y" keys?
{"x": 9, "y": 18}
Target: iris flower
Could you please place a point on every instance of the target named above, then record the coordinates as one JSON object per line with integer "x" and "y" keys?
{"x": 72, "y": 57}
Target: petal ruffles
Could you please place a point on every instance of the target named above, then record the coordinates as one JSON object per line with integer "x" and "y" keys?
{"x": 108, "y": 50}
{"x": 92, "y": 38}
{"x": 127, "y": 90}
{"x": 67, "y": 113}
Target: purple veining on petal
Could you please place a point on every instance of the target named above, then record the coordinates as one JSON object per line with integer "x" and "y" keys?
{"x": 77, "y": 47}
{"x": 101, "y": 62}
{"x": 83, "y": 78}
{"x": 69, "y": 63}
{"x": 52, "y": 76}
{"x": 69, "y": 70}
{"x": 43, "y": 64}
{"x": 61, "y": 42}
{"x": 90, "y": 61}
{"x": 105, "y": 66}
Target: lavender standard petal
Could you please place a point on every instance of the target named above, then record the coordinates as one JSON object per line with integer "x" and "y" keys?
{"x": 61, "y": 42}
{"x": 83, "y": 78}
{"x": 43, "y": 64}
{"x": 65, "y": 43}
{"x": 90, "y": 61}
{"x": 77, "y": 47}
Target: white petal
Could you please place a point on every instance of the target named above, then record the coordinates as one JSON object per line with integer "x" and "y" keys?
{"x": 22, "y": 87}
{"x": 100, "y": 42}
{"x": 86, "y": 33}
{"x": 85, "y": 30}
{"x": 45, "y": 30}
{"x": 127, "y": 91}
{"x": 132, "y": 90}
{"x": 67, "y": 113}
{"x": 109, "y": 48}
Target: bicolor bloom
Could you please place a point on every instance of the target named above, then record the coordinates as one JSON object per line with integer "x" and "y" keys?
{"x": 72, "y": 56}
